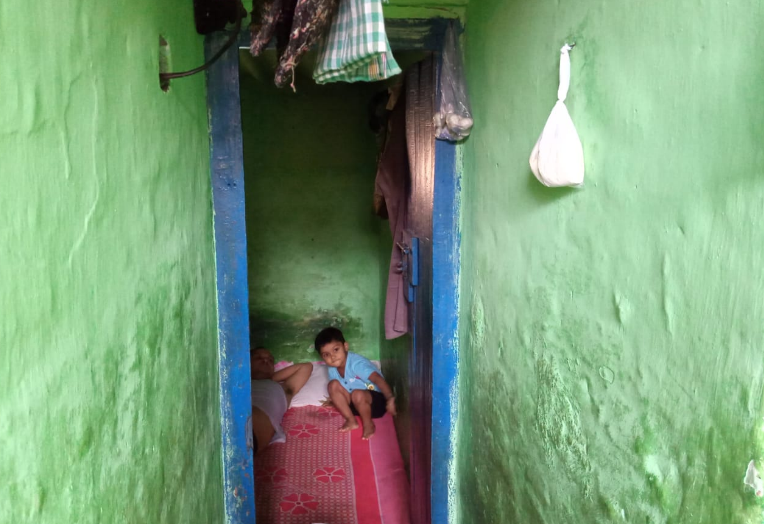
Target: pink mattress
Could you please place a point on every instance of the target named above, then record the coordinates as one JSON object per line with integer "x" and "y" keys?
{"x": 323, "y": 476}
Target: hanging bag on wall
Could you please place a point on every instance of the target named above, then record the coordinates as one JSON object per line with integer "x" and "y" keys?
{"x": 453, "y": 118}
{"x": 557, "y": 159}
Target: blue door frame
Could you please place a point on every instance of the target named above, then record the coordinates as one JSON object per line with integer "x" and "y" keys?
{"x": 445, "y": 332}
{"x": 227, "y": 179}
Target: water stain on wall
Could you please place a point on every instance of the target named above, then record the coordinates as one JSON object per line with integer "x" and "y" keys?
{"x": 291, "y": 338}
{"x": 477, "y": 323}
{"x": 559, "y": 424}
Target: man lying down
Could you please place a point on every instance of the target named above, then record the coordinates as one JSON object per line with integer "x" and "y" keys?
{"x": 272, "y": 392}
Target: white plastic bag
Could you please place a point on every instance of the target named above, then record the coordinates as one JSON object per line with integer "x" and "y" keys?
{"x": 753, "y": 479}
{"x": 557, "y": 159}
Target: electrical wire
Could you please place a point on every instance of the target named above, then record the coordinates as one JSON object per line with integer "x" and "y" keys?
{"x": 234, "y": 36}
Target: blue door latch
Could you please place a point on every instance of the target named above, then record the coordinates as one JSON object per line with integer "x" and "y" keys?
{"x": 409, "y": 266}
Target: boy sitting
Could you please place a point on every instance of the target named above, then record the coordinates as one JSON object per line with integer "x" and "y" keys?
{"x": 355, "y": 385}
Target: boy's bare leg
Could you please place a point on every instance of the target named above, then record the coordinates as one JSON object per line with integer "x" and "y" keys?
{"x": 362, "y": 401}
{"x": 341, "y": 400}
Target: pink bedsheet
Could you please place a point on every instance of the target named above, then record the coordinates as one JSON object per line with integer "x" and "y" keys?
{"x": 323, "y": 476}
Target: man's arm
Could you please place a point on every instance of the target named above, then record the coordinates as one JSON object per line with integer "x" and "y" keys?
{"x": 294, "y": 377}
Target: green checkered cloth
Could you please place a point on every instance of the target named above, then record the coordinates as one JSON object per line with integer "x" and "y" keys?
{"x": 356, "y": 48}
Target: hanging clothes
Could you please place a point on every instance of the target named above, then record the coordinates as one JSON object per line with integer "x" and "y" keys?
{"x": 356, "y": 49}
{"x": 392, "y": 185}
{"x": 311, "y": 21}
{"x": 269, "y": 18}
{"x": 265, "y": 15}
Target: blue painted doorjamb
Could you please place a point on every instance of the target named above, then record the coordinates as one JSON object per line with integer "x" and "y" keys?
{"x": 227, "y": 177}
{"x": 445, "y": 324}
{"x": 445, "y": 330}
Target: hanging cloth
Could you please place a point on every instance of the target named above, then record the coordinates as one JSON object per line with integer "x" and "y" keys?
{"x": 356, "y": 48}
{"x": 392, "y": 185}
{"x": 269, "y": 18}
{"x": 311, "y": 21}
{"x": 265, "y": 16}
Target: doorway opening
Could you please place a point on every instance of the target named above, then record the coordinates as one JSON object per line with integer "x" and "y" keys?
{"x": 298, "y": 248}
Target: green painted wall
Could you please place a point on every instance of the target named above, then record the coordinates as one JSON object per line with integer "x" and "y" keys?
{"x": 612, "y": 360}
{"x": 313, "y": 239}
{"x": 109, "y": 404}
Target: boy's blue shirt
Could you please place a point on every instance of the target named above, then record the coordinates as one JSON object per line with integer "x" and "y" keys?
{"x": 358, "y": 369}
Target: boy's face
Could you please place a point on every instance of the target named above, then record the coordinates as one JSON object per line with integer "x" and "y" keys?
{"x": 261, "y": 364}
{"x": 334, "y": 353}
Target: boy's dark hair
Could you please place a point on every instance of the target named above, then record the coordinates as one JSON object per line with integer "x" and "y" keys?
{"x": 330, "y": 334}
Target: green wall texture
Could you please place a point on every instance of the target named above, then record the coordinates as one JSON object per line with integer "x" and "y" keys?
{"x": 109, "y": 403}
{"x": 312, "y": 236}
{"x": 612, "y": 357}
